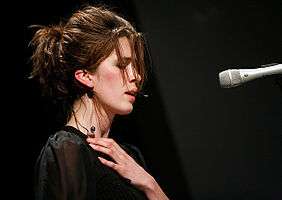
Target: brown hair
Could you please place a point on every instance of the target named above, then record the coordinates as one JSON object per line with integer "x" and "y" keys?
{"x": 83, "y": 42}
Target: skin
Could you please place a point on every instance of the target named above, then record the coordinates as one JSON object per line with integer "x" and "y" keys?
{"x": 110, "y": 93}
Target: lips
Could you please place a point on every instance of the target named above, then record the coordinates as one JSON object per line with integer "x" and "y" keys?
{"x": 132, "y": 93}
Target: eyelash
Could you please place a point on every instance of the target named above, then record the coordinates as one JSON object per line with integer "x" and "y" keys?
{"x": 122, "y": 65}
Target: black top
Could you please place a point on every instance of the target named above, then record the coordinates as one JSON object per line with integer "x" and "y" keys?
{"x": 68, "y": 168}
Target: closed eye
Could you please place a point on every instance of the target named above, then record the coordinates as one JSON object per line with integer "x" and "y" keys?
{"x": 123, "y": 62}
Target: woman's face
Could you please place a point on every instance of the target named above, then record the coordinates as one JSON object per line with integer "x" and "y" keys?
{"x": 115, "y": 92}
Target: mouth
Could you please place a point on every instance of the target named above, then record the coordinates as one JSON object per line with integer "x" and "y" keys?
{"x": 132, "y": 93}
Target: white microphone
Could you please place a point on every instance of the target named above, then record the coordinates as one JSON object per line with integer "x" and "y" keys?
{"x": 235, "y": 77}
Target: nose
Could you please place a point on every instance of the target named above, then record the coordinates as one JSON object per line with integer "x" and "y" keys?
{"x": 132, "y": 74}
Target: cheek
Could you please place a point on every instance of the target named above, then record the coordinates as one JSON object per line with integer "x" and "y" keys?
{"x": 111, "y": 83}
{"x": 113, "y": 78}
{"x": 108, "y": 82}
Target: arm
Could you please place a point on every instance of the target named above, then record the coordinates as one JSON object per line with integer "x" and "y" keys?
{"x": 154, "y": 192}
{"x": 61, "y": 172}
{"x": 127, "y": 167}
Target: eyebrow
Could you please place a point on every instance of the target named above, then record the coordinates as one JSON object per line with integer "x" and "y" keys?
{"x": 124, "y": 59}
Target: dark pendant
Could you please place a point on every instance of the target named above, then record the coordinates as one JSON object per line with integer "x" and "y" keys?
{"x": 92, "y": 129}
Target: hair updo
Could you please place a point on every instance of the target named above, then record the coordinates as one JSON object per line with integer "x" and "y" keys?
{"x": 83, "y": 42}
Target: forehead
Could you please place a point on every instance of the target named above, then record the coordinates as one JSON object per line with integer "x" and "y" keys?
{"x": 124, "y": 47}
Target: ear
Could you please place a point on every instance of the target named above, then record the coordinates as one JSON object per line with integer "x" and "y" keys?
{"x": 84, "y": 77}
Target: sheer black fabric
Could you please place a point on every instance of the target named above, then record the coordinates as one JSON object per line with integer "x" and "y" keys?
{"x": 68, "y": 168}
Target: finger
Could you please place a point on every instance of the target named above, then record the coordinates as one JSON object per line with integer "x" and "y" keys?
{"x": 107, "y": 142}
{"x": 100, "y": 141}
{"x": 110, "y": 152}
{"x": 108, "y": 163}
{"x": 110, "y": 144}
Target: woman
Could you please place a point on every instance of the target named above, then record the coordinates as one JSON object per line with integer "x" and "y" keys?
{"x": 93, "y": 66}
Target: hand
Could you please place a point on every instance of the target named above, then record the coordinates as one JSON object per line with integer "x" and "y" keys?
{"x": 124, "y": 164}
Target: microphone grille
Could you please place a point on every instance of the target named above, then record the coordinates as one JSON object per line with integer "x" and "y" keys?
{"x": 230, "y": 78}
{"x": 224, "y": 79}
{"x": 236, "y": 78}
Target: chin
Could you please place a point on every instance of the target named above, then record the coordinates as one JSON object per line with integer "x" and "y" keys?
{"x": 125, "y": 110}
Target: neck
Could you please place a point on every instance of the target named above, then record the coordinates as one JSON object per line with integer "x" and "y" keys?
{"x": 86, "y": 114}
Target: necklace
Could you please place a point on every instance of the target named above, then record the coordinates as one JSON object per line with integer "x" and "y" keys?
{"x": 90, "y": 133}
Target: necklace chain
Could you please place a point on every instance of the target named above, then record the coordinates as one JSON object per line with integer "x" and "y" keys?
{"x": 90, "y": 133}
